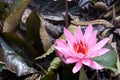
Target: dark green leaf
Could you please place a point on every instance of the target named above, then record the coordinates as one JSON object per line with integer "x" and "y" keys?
{"x": 37, "y": 34}
{"x": 32, "y": 33}
{"x": 108, "y": 60}
{"x": 33, "y": 25}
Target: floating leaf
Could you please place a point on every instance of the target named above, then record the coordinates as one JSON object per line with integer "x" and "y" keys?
{"x": 13, "y": 19}
{"x": 13, "y": 61}
{"x": 108, "y": 60}
{"x": 24, "y": 49}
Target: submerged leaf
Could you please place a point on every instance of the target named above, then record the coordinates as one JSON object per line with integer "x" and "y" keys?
{"x": 108, "y": 60}
{"x": 13, "y": 19}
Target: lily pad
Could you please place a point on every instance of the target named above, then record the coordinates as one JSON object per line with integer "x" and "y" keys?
{"x": 108, "y": 60}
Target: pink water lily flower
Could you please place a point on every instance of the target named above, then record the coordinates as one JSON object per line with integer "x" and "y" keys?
{"x": 81, "y": 48}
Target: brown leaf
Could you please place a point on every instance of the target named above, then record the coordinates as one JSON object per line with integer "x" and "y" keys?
{"x": 44, "y": 36}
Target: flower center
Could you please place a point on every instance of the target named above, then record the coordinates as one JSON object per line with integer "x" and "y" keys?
{"x": 81, "y": 48}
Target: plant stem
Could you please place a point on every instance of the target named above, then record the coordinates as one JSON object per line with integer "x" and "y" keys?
{"x": 66, "y": 15}
{"x": 82, "y": 74}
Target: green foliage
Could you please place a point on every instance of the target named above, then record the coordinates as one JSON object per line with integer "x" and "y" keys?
{"x": 36, "y": 33}
{"x": 54, "y": 65}
{"x": 33, "y": 25}
{"x": 108, "y": 60}
{"x": 49, "y": 76}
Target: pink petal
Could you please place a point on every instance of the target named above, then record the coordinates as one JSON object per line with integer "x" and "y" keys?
{"x": 64, "y": 51}
{"x": 59, "y": 48}
{"x": 69, "y": 37}
{"x": 88, "y": 32}
{"x": 93, "y": 35}
{"x": 92, "y": 44}
{"x": 92, "y": 40}
{"x": 80, "y": 55}
{"x": 72, "y": 60}
{"x": 78, "y": 34}
{"x": 99, "y": 52}
{"x": 101, "y": 43}
{"x": 61, "y": 56}
{"x": 77, "y": 67}
{"x": 95, "y": 65}
{"x": 61, "y": 43}
{"x": 86, "y": 61}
